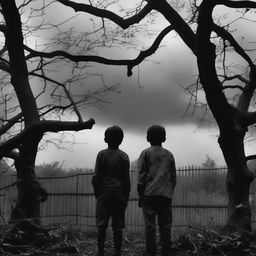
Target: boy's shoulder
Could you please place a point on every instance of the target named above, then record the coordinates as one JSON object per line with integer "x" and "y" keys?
{"x": 123, "y": 154}
{"x": 155, "y": 149}
{"x": 103, "y": 151}
{"x": 107, "y": 151}
{"x": 167, "y": 150}
{"x": 146, "y": 150}
{"x": 169, "y": 153}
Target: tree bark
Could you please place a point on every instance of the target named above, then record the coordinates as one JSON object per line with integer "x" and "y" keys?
{"x": 27, "y": 205}
{"x": 29, "y": 192}
{"x": 238, "y": 181}
{"x": 232, "y": 128}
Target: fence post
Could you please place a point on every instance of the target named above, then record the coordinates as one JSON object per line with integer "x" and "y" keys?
{"x": 191, "y": 203}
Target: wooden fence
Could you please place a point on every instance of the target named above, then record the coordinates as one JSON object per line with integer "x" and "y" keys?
{"x": 200, "y": 200}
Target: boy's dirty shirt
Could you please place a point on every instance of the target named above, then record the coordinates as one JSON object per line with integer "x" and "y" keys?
{"x": 157, "y": 172}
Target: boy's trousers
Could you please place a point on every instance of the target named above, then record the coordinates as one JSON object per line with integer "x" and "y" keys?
{"x": 160, "y": 208}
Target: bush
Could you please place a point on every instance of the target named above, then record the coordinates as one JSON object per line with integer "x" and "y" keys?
{"x": 50, "y": 170}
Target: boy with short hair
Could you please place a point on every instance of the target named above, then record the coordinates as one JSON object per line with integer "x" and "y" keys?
{"x": 156, "y": 183}
{"x": 111, "y": 184}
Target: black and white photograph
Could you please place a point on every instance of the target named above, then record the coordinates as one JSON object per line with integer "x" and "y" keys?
{"x": 128, "y": 128}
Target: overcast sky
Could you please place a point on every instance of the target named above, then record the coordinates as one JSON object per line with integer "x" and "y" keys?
{"x": 158, "y": 98}
{"x": 153, "y": 95}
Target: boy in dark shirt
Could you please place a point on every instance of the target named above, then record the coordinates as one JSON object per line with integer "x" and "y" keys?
{"x": 156, "y": 183}
{"x": 111, "y": 184}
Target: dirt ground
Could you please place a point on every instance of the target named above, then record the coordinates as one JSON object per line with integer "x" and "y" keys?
{"x": 61, "y": 241}
{"x": 196, "y": 243}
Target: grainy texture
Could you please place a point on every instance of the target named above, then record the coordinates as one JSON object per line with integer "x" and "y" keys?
{"x": 61, "y": 241}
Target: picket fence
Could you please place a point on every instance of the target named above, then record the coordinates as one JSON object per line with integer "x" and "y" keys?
{"x": 200, "y": 200}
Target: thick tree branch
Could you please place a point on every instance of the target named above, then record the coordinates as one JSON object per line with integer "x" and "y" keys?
{"x": 102, "y": 13}
{"x": 245, "y": 98}
{"x": 18, "y": 65}
{"x": 233, "y": 87}
{"x": 98, "y": 59}
{"x": 4, "y": 64}
{"x": 10, "y": 123}
{"x": 5, "y": 67}
{"x": 2, "y": 28}
{"x": 13, "y": 155}
{"x": 162, "y": 6}
{"x": 249, "y": 118}
{"x": 237, "y": 4}
{"x": 229, "y": 78}
{"x": 3, "y": 50}
{"x": 178, "y": 23}
{"x": 206, "y": 58}
{"x": 39, "y": 128}
{"x": 251, "y": 157}
{"x": 220, "y": 31}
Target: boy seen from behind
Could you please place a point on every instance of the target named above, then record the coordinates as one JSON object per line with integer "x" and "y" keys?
{"x": 111, "y": 184}
{"x": 156, "y": 183}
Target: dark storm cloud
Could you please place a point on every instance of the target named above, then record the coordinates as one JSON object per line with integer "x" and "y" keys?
{"x": 137, "y": 107}
{"x": 161, "y": 98}
{"x": 157, "y": 98}
{"x": 155, "y": 93}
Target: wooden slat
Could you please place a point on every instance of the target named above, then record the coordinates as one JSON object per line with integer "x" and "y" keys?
{"x": 71, "y": 200}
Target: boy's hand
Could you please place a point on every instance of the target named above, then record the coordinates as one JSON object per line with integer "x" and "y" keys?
{"x": 140, "y": 189}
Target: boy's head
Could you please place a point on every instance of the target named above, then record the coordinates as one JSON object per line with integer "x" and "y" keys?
{"x": 156, "y": 135}
{"x": 114, "y": 136}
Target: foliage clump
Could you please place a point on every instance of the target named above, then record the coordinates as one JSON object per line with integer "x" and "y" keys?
{"x": 56, "y": 169}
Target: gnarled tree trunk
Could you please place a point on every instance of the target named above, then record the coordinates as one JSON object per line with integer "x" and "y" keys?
{"x": 238, "y": 182}
{"x": 29, "y": 191}
{"x": 27, "y": 205}
{"x": 231, "y": 121}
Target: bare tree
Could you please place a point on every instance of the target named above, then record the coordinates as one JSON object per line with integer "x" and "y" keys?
{"x": 212, "y": 42}
{"x": 209, "y": 39}
{"x": 38, "y": 96}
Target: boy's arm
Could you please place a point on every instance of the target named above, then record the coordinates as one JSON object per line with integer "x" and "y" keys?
{"x": 96, "y": 179}
{"x": 142, "y": 172}
{"x": 127, "y": 181}
{"x": 173, "y": 174}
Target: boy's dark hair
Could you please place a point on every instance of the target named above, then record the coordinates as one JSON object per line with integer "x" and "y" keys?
{"x": 114, "y": 135}
{"x": 156, "y": 134}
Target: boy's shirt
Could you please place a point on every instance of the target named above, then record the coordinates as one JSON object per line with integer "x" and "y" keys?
{"x": 157, "y": 172}
{"x": 112, "y": 172}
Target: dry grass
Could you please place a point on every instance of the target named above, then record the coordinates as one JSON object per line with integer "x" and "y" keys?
{"x": 63, "y": 242}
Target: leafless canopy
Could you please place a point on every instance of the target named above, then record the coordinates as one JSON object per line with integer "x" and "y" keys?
{"x": 58, "y": 52}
